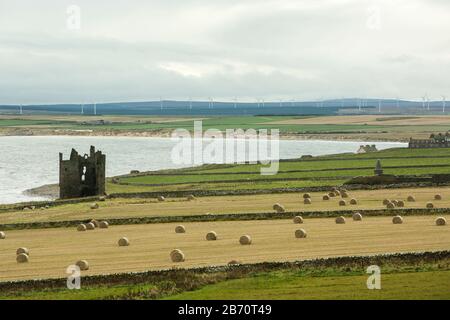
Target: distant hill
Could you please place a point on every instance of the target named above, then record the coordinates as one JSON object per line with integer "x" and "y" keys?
{"x": 172, "y": 107}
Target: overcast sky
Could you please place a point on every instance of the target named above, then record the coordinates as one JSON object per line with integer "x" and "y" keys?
{"x": 130, "y": 50}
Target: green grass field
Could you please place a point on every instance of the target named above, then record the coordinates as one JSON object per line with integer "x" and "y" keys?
{"x": 425, "y": 281}
{"x": 318, "y": 171}
{"x": 296, "y": 286}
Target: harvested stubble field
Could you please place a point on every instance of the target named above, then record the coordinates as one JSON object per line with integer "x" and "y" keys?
{"x": 125, "y": 208}
{"x": 52, "y": 250}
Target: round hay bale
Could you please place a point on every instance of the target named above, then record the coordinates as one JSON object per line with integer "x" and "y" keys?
{"x": 2, "y": 235}
{"x": 334, "y": 189}
{"x": 344, "y": 190}
{"x": 191, "y": 197}
{"x": 102, "y": 198}
{"x": 300, "y": 233}
{"x": 397, "y": 220}
{"x": 22, "y": 258}
{"x": 390, "y": 205}
{"x": 123, "y": 242}
{"x": 357, "y": 216}
{"x": 180, "y": 229}
{"x": 307, "y": 201}
{"x": 353, "y": 201}
{"x": 340, "y": 220}
{"x": 411, "y": 199}
{"x": 386, "y": 201}
{"x": 326, "y": 197}
{"x": 395, "y": 202}
{"x": 94, "y": 206}
{"x": 430, "y": 205}
{"x": 337, "y": 193}
{"x": 298, "y": 219}
{"x": 245, "y": 240}
{"x": 81, "y": 227}
{"x": 306, "y": 196}
{"x": 22, "y": 250}
{"x": 83, "y": 265}
{"x": 161, "y": 198}
{"x": 211, "y": 236}
{"x": 95, "y": 223}
{"x": 278, "y": 208}
{"x": 90, "y": 226}
{"x": 342, "y": 203}
{"x": 441, "y": 221}
{"x": 103, "y": 225}
{"x": 400, "y": 203}
{"x": 344, "y": 194}
{"x": 331, "y": 195}
{"x": 232, "y": 262}
{"x": 437, "y": 197}
{"x": 177, "y": 255}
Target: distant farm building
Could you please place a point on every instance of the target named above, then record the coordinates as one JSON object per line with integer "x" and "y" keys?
{"x": 367, "y": 148}
{"x": 435, "y": 141}
{"x": 82, "y": 176}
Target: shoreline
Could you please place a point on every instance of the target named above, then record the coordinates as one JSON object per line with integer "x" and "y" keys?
{"x": 355, "y": 137}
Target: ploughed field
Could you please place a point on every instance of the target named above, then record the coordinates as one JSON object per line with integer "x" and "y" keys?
{"x": 52, "y": 250}
{"x": 293, "y": 202}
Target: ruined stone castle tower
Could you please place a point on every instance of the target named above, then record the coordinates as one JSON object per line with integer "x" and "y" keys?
{"x": 82, "y": 176}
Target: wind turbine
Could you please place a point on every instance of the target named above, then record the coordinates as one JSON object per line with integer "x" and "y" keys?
{"x": 262, "y": 103}
{"x": 161, "y": 104}
{"x": 190, "y": 103}
{"x": 212, "y": 102}
{"x": 95, "y": 108}
{"x": 423, "y": 103}
{"x": 20, "y": 109}
{"x": 82, "y": 108}
{"x": 428, "y": 103}
{"x": 320, "y": 103}
{"x": 257, "y": 101}
{"x": 443, "y": 104}
{"x": 281, "y": 103}
{"x": 379, "y": 106}
{"x": 235, "y": 102}
{"x": 359, "y": 105}
{"x": 397, "y": 103}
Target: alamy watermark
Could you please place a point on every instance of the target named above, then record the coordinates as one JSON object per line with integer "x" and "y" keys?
{"x": 74, "y": 277}
{"x": 374, "y": 280}
{"x": 373, "y": 21}
{"x": 237, "y": 146}
{"x": 73, "y": 21}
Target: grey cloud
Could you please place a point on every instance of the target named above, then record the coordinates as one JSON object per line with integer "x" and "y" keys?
{"x": 137, "y": 50}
